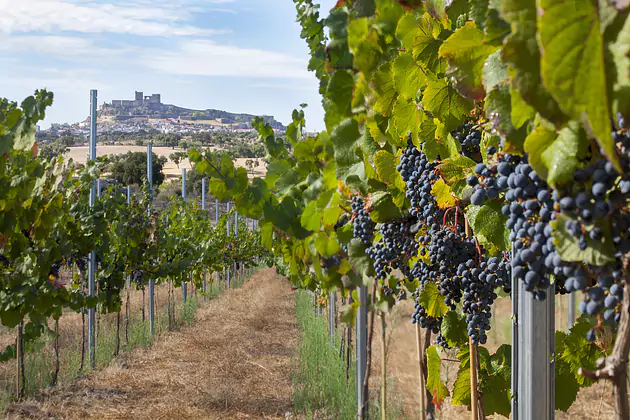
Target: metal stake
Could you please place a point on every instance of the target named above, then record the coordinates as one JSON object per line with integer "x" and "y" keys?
{"x": 92, "y": 257}
{"x": 184, "y": 286}
{"x": 151, "y": 281}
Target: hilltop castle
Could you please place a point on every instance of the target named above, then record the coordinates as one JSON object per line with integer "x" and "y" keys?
{"x": 152, "y": 102}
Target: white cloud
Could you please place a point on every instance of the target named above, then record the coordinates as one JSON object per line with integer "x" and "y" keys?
{"x": 58, "y": 46}
{"x": 208, "y": 58}
{"x": 64, "y": 15}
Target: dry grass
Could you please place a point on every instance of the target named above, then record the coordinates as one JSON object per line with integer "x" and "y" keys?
{"x": 233, "y": 362}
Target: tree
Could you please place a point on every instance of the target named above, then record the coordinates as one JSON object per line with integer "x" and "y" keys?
{"x": 178, "y": 157}
{"x": 131, "y": 168}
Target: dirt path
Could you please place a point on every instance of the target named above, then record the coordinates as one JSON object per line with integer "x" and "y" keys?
{"x": 234, "y": 362}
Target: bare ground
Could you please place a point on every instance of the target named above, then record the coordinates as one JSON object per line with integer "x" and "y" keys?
{"x": 234, "y": 362}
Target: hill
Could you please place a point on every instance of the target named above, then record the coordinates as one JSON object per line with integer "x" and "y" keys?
{"x": 163, "y": 111}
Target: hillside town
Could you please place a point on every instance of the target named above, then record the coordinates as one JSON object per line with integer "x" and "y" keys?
{"x": 148, "y": 114}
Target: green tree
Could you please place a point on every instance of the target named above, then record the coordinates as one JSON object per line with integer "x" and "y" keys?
{"x": 131, "y": 168}
{"x": 178, "y": 157}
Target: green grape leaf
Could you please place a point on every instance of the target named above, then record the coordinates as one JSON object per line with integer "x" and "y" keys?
{"x": 556, "y": 157}
{"x": 567, "y": 386}
{"x": 572, "y": 65}
{"x": 311, "y": 218}
{"x": 359, "y": 259}
{"x": 383, "y": 85}
{"x": 454, "y": 329}
{"x": 445, "y": 103}
{"x": 466, "y": 51}
{"x": 432, "y": 300}
{"x": 521, "y": 52}
{"x": 488, "y": 224}
{"x": 496, "y": 396}
{"x": 498, "y": 107}
{"x": 326, "y": 244}
{"x": 455, "y": 170}
{"x": 434, "y": 382}
{"x": 494, "y": 71}
{"x": 333, "y": 211}
{"x": 568, "y": 248}
{"x": 521, "y": 111}
{"x": 406, "y": 118}
{"x": 442, "y": 193}
{"x": 574, "y": 349}
{"x": 385, "y": 164}
{"x": 461, "y": 386}
{"x": 620, "y": 51}
{"x": 340, "y": 89}
{"x": 383, "y": 207}
{"x": 408, "y": 76}
{"x": 346, "y": 139}
{"x": 358, "y": 31}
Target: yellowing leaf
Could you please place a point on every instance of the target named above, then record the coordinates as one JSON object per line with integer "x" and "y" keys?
{"x": 443, "y": 195}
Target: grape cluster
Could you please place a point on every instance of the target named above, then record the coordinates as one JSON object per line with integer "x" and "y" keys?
{"x": 419, "y": 175}
{"x": 441, "y": 341}
{"x": 447, "y": 248}
{"x": 470, "y": 139}
{"x": 427, "y": 322}
{"x": 363, "y": 226}
{"x": 479, "y": 282}
{"x": 396, "y": 245}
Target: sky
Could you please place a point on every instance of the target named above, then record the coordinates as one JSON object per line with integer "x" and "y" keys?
{"x": 234, "y": 55}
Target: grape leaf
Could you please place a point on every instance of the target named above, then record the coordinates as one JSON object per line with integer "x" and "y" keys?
{"x": 620, "y": 51}
{"x": 521, "y": 52}
{"x": 466, "y": 52}
{"x": 445, "y": 103}
{"x": 494, "y": 71}
{"x": 434, "y": 382}
{"x": 455, "y": 170}
{"x": 406, "y": 117}
{"x": 461, "y": 387}
{"x": 326, "y": 244}
{"x": 359, "y": 259}
{"x": 408, "y": 76}
{"x": 432, "y": 301}
{"x": 385, "y": 164}
{"x": 383, "y": 85}
{"x": 574, "y": 349}
{"x": 568, "y": 248}
{"x": 383, "y": 208}
{"x": 573, "y": 68}
{"x": 454, "y": 329}
{"x": 443, "y": 195}
{"x": 556, "y": 157}
{"x": 521, "y": 111}
{"x": 311, "y": 218}
{"x": 488, "y": 224}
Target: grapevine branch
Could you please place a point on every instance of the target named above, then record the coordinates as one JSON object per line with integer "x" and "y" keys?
{"x": 614, "y": 367}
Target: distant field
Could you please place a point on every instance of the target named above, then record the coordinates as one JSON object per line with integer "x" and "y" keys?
{"x": 80, "y": 154}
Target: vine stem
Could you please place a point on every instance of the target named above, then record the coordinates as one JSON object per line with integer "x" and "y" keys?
{"x": 614, "y": 367}
{"x": 383, "y": 369}
{"x": 366, "y": 380}
{"x": 423, "y": 396}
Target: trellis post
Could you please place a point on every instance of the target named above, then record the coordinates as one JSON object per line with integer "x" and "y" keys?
{"x": 151, "y": 280}
{"x": 92, "y": 256}
{"x": 184, "y": 286}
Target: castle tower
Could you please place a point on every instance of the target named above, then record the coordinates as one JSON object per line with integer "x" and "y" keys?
{"x": 139, "y": 98}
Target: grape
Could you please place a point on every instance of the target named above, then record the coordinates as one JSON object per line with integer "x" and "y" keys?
{"x": 363, "y": 226}
{"x": 441, "y": 341}
{"x": 470, "y": 139}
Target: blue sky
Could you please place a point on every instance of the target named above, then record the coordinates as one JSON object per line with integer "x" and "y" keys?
{"x": 235, "y": 55}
